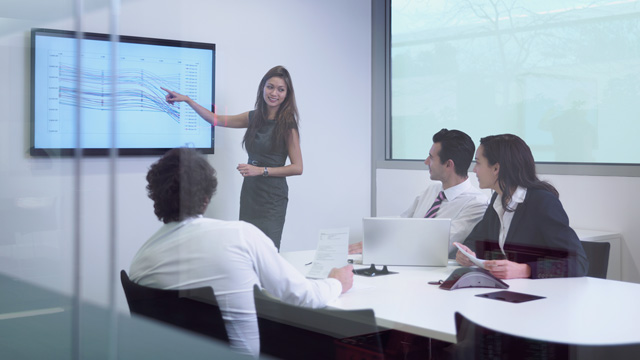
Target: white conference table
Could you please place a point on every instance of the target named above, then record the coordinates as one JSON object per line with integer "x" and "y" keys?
{"x": 575, "y": 310}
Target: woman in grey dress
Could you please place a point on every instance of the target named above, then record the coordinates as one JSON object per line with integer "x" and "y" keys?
{"x": 271, "y": 136}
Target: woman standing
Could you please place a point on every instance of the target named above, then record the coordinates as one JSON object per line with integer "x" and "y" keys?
{"x": 525, "y": 231}
{"x": 271, "y": 136}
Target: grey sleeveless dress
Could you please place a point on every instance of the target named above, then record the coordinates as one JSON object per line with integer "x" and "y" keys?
{"x": 263, "y": 200}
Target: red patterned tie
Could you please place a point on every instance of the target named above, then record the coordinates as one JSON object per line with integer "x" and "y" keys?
{"x": 436, "y": 205}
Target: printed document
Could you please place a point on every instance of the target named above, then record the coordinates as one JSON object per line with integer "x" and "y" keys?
{"x": 475, "y": 260}
{"x": 333, "y": 246}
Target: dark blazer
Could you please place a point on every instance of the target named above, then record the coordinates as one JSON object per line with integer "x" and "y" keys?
{"x": 539, "y": 235}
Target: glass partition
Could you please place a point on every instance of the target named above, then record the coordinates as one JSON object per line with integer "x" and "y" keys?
{"x": 63, "y": 219}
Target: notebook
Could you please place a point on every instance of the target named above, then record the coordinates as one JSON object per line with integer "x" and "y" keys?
{"x": 405, "y": 241}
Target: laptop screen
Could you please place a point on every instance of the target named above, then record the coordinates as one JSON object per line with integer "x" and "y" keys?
{"x": 405, "y": 241}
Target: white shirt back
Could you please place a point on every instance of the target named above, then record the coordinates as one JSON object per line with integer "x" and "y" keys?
{"x": 229, "y": 256}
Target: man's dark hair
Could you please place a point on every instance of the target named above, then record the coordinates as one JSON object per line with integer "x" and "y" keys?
{"x": 180, "y": 184}
{"x": 457, "y": 146}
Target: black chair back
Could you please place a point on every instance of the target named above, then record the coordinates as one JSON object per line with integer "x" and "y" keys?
{"x": 478, "y": 342}
{"x": 191, "y": 309}
{"x": 598, "y": 256}
{"x": 295, "y": 332}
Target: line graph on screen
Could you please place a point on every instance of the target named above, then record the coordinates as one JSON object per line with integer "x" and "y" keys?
{"x": 95, "y": 94}
{"x": 138, "y": 87}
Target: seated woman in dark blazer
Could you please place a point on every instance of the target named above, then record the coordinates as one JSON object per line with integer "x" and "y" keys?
{"x": 525, "y": 231}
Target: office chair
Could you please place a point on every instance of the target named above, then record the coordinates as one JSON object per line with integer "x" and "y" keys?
{"x": 294, "y": 332}
{"x": 598, "y": 256}
{"x": 191, "y": 309}
{"x": 478, "y": 342}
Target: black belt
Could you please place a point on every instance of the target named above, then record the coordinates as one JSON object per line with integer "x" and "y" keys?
{"x": 259, "y": 164}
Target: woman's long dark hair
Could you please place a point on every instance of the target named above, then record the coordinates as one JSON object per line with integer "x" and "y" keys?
{"x": 286, "y": 117}
{"x": 517, "y": 167}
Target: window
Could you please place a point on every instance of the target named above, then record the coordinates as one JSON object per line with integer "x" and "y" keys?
{"x": 563, "y": 75}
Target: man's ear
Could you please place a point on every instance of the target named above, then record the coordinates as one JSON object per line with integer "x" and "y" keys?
{"x": 449, "y": 163}
{"x": 206, "y": 203}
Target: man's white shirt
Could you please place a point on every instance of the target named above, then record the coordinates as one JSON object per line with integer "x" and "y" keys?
{"x": 464, "y": 205}
{"x": 229, "y": 256}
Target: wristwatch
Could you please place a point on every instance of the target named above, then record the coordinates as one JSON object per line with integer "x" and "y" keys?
{"x": 265, "y": 172}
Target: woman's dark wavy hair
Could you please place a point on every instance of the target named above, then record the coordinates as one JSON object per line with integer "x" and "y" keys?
{"x": 517, "y": 167}
{"x": 286, "y": 117}
{"x": 180, "y": 184}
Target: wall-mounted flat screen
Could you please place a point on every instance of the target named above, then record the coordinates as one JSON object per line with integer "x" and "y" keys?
{"x": 72, "y": 78}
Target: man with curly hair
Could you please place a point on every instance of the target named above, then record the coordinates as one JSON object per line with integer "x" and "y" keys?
{"x": 191, "y": 251}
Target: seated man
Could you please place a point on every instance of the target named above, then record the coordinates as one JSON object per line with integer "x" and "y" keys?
{"x": 449, "y": 160}
{"x": 191, "y": 251}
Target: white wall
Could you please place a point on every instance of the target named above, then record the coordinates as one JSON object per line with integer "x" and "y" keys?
{"x": 326, "y": 45}
{"x": 592, "y": 202}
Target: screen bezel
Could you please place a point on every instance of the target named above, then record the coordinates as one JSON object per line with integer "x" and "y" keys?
{"x": 54, "y": 152}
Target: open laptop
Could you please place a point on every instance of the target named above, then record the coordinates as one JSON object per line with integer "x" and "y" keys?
{"x": 405, "y": 241}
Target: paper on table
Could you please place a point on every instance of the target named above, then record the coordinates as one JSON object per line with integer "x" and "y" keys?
{"x": 333, "y": 246}
{"x": 475, "y": 260}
